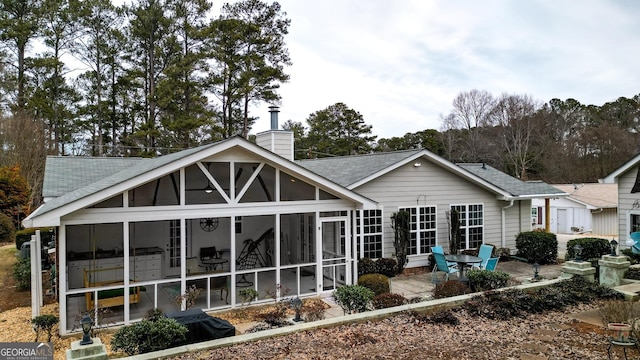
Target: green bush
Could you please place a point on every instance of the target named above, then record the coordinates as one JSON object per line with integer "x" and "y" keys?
{"x": 353, "y": 298}
{"x": 366, "y": 266}
{"x": 388, "y": 300}
{"x": 44, "y": 323}
{"x": 592, "y": 248}
{"x": 483, "y": 280}
{"x": 7, "y": 229}
{"x": 387, "y": 267}
{"x": 537, "y": 246}
{"x": 633, "y": 274}
{"x": 147, "y": 336}
{"x": 450, "y": 288}
{"x": 517, "y": 303}
{"x": 22, "y": 273}
{"x": 377, "y": 283}
{"x": 502, "y": 253}
{"x": 633, "y": 258}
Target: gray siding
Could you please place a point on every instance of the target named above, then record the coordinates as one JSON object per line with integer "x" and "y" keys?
{"x": 432, "y": 185}
{"x": 605, "y": 222}
{"x": 626, "y": 200}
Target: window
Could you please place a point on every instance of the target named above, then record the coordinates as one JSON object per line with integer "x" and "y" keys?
{"x": 634, "y": 222}
{"x": 372, "y": 233}
{"x": 536, "y": 215}
{"x": 422, "y": 222}
{"x": 471, "y": 224}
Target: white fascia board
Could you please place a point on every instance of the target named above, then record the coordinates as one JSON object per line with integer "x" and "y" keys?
{"x": 151, "y": 213}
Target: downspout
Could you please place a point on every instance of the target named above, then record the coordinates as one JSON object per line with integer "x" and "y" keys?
{"x": 504, "y": 226}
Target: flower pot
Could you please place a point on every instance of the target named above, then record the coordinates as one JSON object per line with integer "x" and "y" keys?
{"x": 621, "y": 331}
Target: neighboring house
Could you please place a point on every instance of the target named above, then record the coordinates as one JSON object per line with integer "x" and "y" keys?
{"x": 589, "y": 208}
{"x": 136, "y": 234}
{"x": 627, "y": 177}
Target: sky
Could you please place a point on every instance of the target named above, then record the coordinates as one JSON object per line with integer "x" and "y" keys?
{"x": 401, "y": 63}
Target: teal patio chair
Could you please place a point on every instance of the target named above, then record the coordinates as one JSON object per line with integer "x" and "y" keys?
{"x": 438, "y": 249}
{"x": 491, "y": 264}
{"x": 485, "y": 254}
{"x": 635, "y": 236}
{"x": 442, "y": 266}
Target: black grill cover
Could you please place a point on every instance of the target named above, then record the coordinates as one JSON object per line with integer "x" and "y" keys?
{"x": 202, "y": 327}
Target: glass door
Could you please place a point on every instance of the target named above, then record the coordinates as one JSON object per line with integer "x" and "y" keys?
{"x": 334, "y": 253}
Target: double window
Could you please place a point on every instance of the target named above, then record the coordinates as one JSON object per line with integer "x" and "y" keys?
{"x": 371, "y": 225}
{"x": 471, "y": 224}
{"x": 422, "y": 227}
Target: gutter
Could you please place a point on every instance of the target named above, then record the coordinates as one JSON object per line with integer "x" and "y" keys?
{"x": 504, "y": 229}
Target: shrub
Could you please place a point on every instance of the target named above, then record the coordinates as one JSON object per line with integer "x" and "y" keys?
{"x": 387, "y": 267}
{"x": 22, "y": 273}
{"x": 503, "y": 253}
{"x": 147, "y": 336}
{"x": 276, "y": 315}
{"x": 483, "y": 280}
{"x": 23, "y": 236}
{"x": 7, "y": 229}
{"x": 312, "y": 311}
{"x": 633, "y": 258}
{"x": 378, "y": 283}
{"x": 44, "y": 323}
{"x": 535, "y": 246}
{"x": 353, "y": 298}
{"x": 388, "y": 300}
{"x": 366, "y": 266}
{"x": 446, "y": 317}
{"x": 189, "y": 297}
{"x": 449, "y": 288}
{"x": 620, "y": 311}
{"x": 154, "y": 314}
{"x": 592, "y": 248}
{"x": 633, "y": 274}
{"x": 515, "y": 303}
{"x": 248, "y": 295}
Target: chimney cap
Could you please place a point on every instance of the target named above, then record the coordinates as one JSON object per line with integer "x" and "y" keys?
{"x": 273, "y": 108}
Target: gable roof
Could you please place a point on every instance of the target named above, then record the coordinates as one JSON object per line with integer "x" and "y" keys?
{"x": 593, "y": 195}
{"x": 356, "y": 170}
{"x": 92, "y": 184}
{"x": 510, "y": 184}
{"x": 63, "y": 174}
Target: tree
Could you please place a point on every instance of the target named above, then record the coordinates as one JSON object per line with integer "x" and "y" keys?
{"x": 14, "y": 195}
{"x": 426, "y": 139}
{"x": 471, "y": 112}
{"x": 339, "y": 130}
{"x": 401, "y": 225}
{"x": 19, "y": 23}
{"x": 259, "y": 52}
{"x": 299, "y": 138}
{"x": 518, "y": 130}
{"x": 181, "y": 99}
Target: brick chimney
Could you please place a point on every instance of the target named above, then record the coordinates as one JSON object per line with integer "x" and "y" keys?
{"x": 279, "y": 142}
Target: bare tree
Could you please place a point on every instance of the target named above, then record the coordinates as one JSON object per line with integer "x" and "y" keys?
{"x": 518, "y": 130}
{"x": 471, "y": 112}
{"x": 23, "y": 144}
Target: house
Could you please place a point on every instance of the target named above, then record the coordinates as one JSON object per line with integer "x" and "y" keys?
{"x": 627, "y": 177}
{"x": 588, "y": 208}
{"x": 136, "y": 234}
{"x": 494, "y": 207}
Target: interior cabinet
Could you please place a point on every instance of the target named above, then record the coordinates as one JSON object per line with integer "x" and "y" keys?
{"x": 141, "y": 268}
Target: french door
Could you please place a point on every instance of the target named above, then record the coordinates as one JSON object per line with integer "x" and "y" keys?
{"x": 335, "y": 250}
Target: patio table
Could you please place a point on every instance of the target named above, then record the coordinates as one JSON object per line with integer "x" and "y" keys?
{"x": 462, "y": 261}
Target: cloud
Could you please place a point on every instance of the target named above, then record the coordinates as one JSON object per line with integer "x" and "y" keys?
{"x": 401, "y": 63}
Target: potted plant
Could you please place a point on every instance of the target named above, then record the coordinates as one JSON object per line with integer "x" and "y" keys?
{"x": 621, "y": 331}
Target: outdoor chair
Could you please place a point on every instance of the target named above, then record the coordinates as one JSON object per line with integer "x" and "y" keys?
{"x": 438, "y": 249}
{"x": 485, "y": 254}
{"x": 491, "y": 264}
{"x": 442, "y": 266}
{"x": 635, "y": 236}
